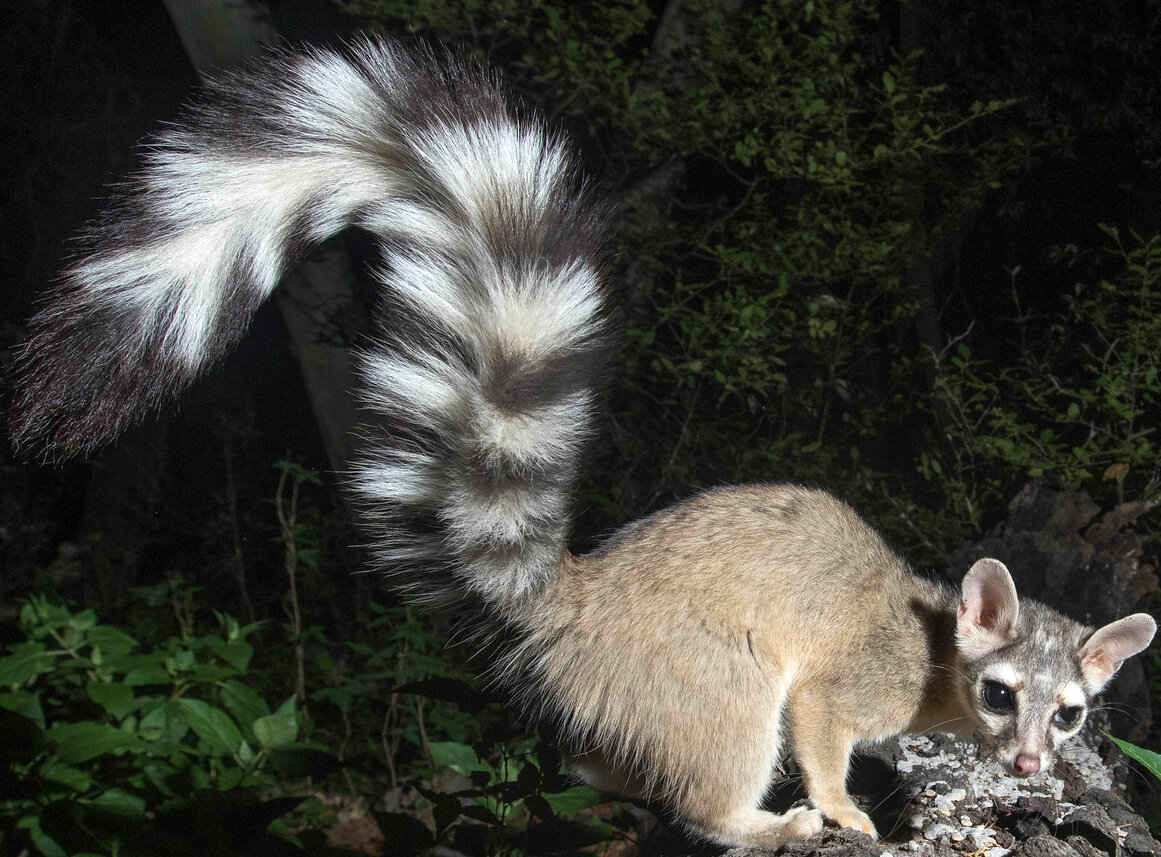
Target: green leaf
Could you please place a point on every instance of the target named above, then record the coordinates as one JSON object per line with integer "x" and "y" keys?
{"x": 573, "y": 800}
{"x": 120, "y": 802}
{"x": 212, "y": 673}
{"x": 55, "y": 771}
{"x": 212, "y": 725}
{"x": 243, "y": 702}
{"x": 114, "y": 644}
{"x": 167, "y": 721}
{"x": 23, "y": 703}
{"x": 26, "y": 660}
{"x": 1151, "y": 760}
{"x": 44, "y": 843}
{"x": 148, "y": 674}
{"x": 79, "y": 742}
{"x": 83, "y": 621}
{"x": 229, "y": 779}
{"x": 282, "y": 830}
{"x": 116, "y": 698}
{"x": 461, "y": 758}
{"x": 236, "y": 653}
{"x": 276, "y": 730}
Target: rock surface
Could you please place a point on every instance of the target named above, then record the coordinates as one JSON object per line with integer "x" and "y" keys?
{"x": 933, "y": 796}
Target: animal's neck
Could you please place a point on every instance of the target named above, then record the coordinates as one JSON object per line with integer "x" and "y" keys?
{"x": 944, "y": 706}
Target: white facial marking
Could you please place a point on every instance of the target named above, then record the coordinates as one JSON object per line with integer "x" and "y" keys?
{"x": 1004, "y": 673}
{"x": 1072, "y": 696}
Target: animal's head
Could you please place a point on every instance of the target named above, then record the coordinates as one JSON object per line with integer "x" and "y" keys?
{"x": 1029, "y": 674}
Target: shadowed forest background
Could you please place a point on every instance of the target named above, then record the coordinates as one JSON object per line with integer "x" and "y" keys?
{"x": 909, "y": 252}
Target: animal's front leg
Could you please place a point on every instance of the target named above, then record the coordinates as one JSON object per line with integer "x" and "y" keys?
{"x": 822, "y": 745}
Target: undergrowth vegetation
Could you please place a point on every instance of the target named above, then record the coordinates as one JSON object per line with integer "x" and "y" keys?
{"x": 113, "y": 746}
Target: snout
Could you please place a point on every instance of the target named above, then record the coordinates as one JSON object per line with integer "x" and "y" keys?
{"x": 1026, "y": 765}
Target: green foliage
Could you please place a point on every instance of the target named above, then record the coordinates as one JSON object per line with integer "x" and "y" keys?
{"x": 113, "y": 750}
{"x": 1081, "y": 403}
{"x": 795, "y": 191}
{"x": 514, "y": 797}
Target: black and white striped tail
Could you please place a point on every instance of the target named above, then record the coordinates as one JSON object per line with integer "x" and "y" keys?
{"x": 495, "y": 327}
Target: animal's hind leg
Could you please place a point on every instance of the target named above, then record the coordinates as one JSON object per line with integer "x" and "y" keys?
{"x": 753, "y": 827}
{"x": 723, "y": 800}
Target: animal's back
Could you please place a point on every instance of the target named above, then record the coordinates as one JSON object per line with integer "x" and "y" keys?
{"x": 787, "y": 565}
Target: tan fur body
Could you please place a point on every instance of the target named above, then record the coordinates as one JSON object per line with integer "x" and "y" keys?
{"x": 688, "y": 649}
{"x": 690, "y": 654}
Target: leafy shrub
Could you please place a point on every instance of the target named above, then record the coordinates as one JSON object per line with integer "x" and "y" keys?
{"x": 1081, "y": 402}
{"x": 111, "y": 750}
{"x": 796, "y": 192}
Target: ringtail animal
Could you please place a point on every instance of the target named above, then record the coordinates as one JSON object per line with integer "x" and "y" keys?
{"x": 683, "y": 658}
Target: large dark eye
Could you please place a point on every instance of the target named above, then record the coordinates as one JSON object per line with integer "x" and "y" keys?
{"x": 999, "y": 697}
{"x": 1068, "y": 716}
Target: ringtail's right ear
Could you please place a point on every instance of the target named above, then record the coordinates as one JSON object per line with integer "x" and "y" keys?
{"x": 1103, "y": 653}
{"x": 988, "y": 609}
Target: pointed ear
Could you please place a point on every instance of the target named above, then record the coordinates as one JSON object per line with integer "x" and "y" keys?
{"x": 989, "y": 609}
{"x": 1103, "y": 653}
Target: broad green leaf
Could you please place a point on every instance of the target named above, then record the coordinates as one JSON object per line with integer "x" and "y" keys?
{"x": 573, "y": 800}
{"x": 212, "y": 673}
{"x": 116, "y": 698}
{"x": 236, "y": 653}
{"x": 461, "y": 758}
{"x": 115, "y": 644}
{"x": 243, "y": 702}
{"x": 276, "y": 730}
{"x": 229, "y": 778}
{"x": 148, "y": 674}
{"x": 161, "y": 775}
{"x": 120, "y": 802}
{"x": 55, "y": 771}
{"x": 83, "y": 621}
{"x": 282, "y": 830}
{"x": 44, "y": 843}
{"x": 246, "y": 754}
{"x": 26, "y": 660}
{"x": 79, "y": 742}
{"x": 212, "y": 725}
{"x": 155, "y": 725}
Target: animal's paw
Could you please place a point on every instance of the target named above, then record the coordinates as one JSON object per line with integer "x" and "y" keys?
{"x": 802, "y": 821}
{"x": 856, "y": 819}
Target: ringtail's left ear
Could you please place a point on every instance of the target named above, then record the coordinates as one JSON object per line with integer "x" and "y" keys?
{"x": 1103, "y": 653}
